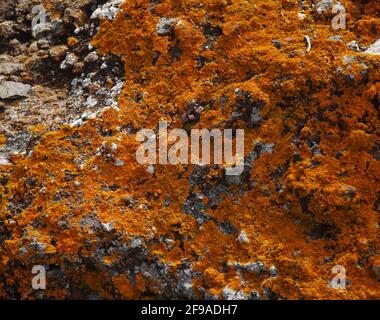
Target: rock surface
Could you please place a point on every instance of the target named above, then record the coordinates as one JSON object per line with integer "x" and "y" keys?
{"x": 74, "y": 199}
{"x": 374, "y": 49}
{"x": 12, "y": 90}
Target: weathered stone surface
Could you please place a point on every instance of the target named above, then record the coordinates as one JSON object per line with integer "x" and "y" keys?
{"x": 165, "y": 26}
{"x": 12, "y": 90}
{"x": 9, "y": 68}
{"x": 74, "y": 199}
{"x": 58, "y": 52}
{"x": 374, "y": 48}
{"x": 7, "y": 29}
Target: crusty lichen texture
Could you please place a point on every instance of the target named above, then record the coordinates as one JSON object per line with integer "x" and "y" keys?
{"x": 309, "y": 198}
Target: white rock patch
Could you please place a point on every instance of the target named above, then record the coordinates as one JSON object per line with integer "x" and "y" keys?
{"x": 108, "y": 10}
{"x": 374, "y": 49}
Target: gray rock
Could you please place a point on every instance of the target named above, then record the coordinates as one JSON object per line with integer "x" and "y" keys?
{"x": 185, "y": 284}
{"x": 336, "y": 38}
{"x": 324, "y": 5}
{"x": 270, "y": 295}
{"x": 90, "y": 102}
{"x": 348, "y": 59}
{"x": 69, "y": 62}
{"x": 119, "y": 163}
{"x": 9, "y": 68}
{"x": 349, "y": 192}
{"x": 58, "y": 52}
{"x": 230, "y": 294}
{"x": 374, "y": 48}
{"x": 91, "y": 57}
{"x": 256, "y": 267}
{"x": 108, "y": 10}
{"x": 7, "y": 29}
{"x": 273, "y": 271}
{"x": 5, "y": 58}
{"x": 43, "y": 44}
{"x": 165, "y": 26}
{"x": 276, "y": 44}
{"x": 13, "y": 90}
{"x": 41, "y": 29}
{"x": 254, "y": 295}
{"x": 231, "y": 180}
{"x": 243, "y": 238}
{"x": 17, "y": 46}
{"x": 354, "y": 46}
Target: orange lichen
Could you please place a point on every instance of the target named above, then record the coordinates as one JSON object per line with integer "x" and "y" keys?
{"x": 3, "y": 140}
{"x": 72, "y": 41}
{"x": 304, "y": 210}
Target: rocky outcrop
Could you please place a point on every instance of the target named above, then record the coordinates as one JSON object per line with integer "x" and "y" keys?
{"x": 74, "y": 199}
